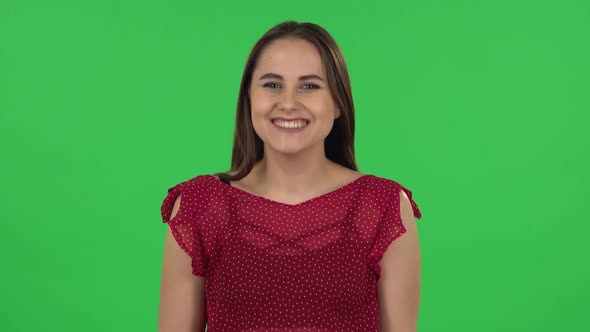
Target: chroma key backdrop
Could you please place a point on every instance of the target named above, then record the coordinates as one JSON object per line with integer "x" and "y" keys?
{"x": 479, "y": 107}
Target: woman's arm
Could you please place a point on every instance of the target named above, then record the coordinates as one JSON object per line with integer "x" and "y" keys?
{"x": 182, "y": 302}
{"x": 399, "y": 285}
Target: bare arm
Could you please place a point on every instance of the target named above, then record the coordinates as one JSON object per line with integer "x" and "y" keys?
{"x": 399, "y": 285}
{"x": 182, "y": 302}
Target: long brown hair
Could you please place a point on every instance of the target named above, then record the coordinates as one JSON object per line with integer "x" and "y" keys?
{"x": 339, "y": 144}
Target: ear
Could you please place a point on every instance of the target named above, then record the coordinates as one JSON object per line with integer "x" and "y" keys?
{"x": 337, "y": 113}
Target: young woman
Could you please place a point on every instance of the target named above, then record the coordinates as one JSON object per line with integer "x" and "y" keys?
{"x": 292, "y": 237}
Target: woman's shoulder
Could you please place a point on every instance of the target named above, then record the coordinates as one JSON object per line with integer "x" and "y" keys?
{"x": 196, "y": 183}
{"x": 388, "y": 188}
{"x": 383, "y": 180}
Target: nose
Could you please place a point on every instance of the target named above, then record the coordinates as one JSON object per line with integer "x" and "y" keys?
{"x": 288, "y": 99}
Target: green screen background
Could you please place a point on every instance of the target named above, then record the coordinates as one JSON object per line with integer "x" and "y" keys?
{"x": 479, "y": 107}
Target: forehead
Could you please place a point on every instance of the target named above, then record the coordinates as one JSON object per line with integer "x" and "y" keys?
{"x": 290, "y": 57}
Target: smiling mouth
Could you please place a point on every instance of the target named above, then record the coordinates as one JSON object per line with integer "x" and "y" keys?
{"x": 290, "y": 126}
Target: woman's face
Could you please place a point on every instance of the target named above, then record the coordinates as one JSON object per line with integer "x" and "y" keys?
{"x": 289, "y": 83}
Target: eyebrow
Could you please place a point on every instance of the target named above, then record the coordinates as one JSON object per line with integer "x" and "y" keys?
{"x": 301, "y": 78}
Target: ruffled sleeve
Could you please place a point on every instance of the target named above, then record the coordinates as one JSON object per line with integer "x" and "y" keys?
{"x": 185, "y": 226}
{"x": 390, "y": 227}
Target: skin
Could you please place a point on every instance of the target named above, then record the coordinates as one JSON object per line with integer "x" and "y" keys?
{"x": 182, "y": 305}
{"x": 294, "y": 169}
{"x": 398, "y": 288}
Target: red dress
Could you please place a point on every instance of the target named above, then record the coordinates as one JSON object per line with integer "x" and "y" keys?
{"x": 272, "y": 266}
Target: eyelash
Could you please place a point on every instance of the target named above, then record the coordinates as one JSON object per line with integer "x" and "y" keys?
{"x": 315, "y": 86}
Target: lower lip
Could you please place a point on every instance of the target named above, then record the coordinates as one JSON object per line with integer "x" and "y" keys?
{"x": 289, "y": 130}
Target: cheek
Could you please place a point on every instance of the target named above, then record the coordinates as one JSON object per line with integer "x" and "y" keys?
{"x": 324, "y": 102}
{"x": 261, "y": 104}
{"x": 328, "y": 108}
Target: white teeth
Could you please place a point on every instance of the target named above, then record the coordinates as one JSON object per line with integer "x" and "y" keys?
{"x": 290, "y": 124}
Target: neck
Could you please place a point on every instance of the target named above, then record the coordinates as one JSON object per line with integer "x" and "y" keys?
{"x": 293, "y": 173}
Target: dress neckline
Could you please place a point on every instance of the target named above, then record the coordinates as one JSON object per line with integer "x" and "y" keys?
{"x": 253, "y": 196}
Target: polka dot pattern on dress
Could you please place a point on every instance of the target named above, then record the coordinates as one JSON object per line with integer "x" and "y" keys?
{"x": 272, "y": 266}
